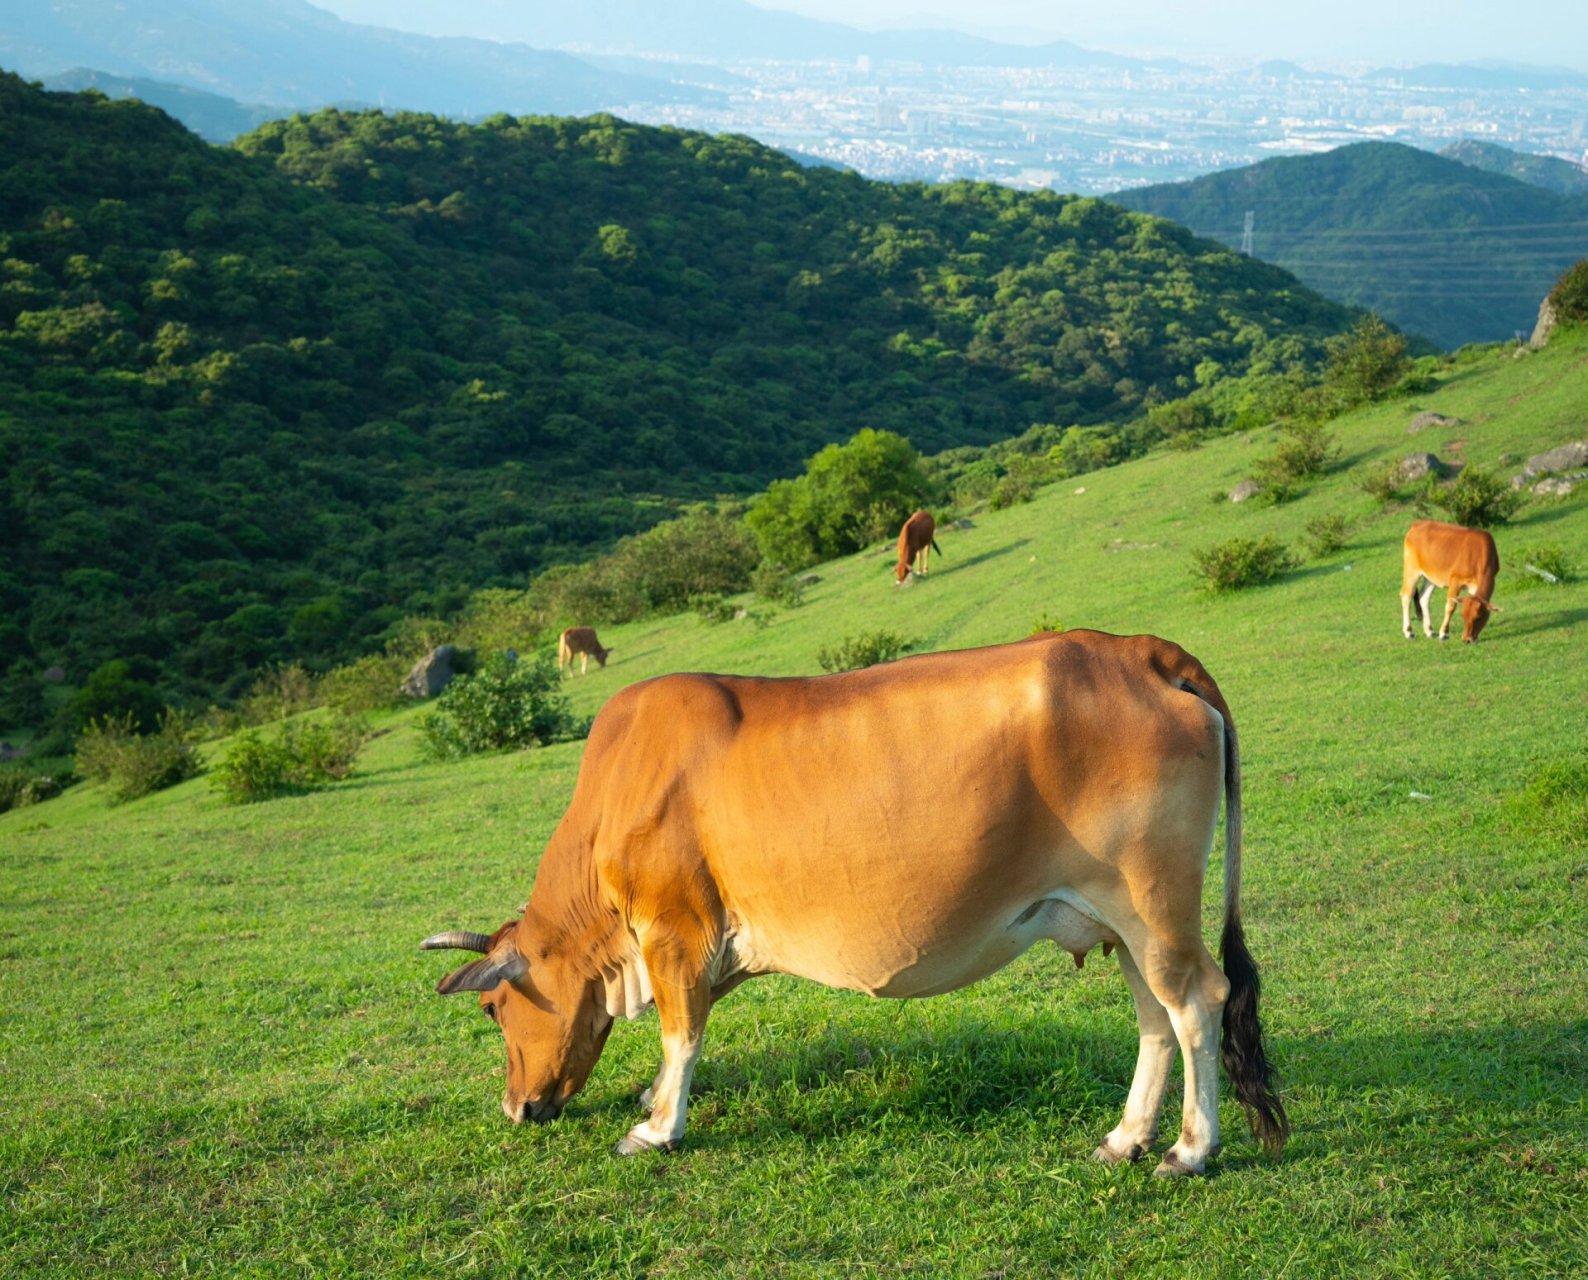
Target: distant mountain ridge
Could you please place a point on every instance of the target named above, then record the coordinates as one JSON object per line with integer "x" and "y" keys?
{"x": 1550, "y": 172}
{"x": 213, "y": 117}
{"x": 713, "y": 29}
{"x": 292, "y": 53}
{"x": 1441, "y": 249}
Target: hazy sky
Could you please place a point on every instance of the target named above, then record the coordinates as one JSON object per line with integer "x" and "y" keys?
{"x": 1546, "y": 32}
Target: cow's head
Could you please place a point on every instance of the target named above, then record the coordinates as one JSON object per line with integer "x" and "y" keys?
{"x": 601, "y": 657}
{"x": 552, "y": 1015}
{"x": 1474, "y": 617}
{"x": 903, "y": 575}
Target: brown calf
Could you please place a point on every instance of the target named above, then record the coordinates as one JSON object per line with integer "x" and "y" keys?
{"x": 916, "y": 545}
{"x": 580, "y": 642}
{"x": 1458, "y": 559}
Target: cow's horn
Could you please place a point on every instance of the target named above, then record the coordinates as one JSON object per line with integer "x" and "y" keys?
{"x": 457, "y": 940}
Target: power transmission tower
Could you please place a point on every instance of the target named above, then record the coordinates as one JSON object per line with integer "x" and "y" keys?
{"x": 1246, "y": 233}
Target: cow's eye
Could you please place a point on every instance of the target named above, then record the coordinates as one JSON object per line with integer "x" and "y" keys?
{"x": 490, "y": 1010}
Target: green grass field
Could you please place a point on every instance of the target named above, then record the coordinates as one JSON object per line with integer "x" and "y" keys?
{"x": 221, "y": 1053}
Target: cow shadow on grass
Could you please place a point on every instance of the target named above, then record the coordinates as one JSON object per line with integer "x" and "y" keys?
{"x": 1344, "y": 1092}
{"x": 954, "y": 566}
{"x": 1517, "y": 626}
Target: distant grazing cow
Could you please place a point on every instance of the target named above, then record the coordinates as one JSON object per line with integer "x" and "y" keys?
{"x": 1458, "y": 559}
{"x": 580, "y": 642}
{"x": 723, "y": 827}
{"x": 916, "y": 544}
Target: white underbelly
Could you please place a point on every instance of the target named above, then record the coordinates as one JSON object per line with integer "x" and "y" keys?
{"x": 901, "y": 967}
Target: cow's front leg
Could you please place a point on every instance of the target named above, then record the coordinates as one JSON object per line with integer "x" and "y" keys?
{"x": 1452, "y": 599}
{"x": 682, "y": 1002}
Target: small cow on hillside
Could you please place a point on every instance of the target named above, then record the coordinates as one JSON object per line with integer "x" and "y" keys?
{"x": 1458, "y": 559}
{"x": 580, "y": 642}
{"x": 916, "y": 544}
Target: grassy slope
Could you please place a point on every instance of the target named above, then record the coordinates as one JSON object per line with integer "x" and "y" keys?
{"x": 220, "y": 1049}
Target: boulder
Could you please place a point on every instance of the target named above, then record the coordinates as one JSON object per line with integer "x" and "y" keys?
{"x": 431, "y": 674}
{"x": 1565, "y": 458}
{"x": 1417, "y": 466}
{"x": 1430, "y": 419}
{"x": 1547, "y": 320}
{"x": 1555, "y": 486}
{"x": 1246, "y": 489}
{"x": 55, "y": 675}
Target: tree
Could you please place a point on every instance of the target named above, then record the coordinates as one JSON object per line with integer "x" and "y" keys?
{"x": 1365, "y": 363}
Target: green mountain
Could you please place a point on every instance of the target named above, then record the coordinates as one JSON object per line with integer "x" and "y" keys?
{"x": 257, "y": 402}
{"x": 213, "y": 117}
{"x": 1550, "y": 172}
{"x": 1437, "y": 247}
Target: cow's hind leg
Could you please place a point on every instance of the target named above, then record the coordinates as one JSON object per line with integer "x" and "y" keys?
{"x": 1138, "y": 1128}
{"x": 1424, "y": 599}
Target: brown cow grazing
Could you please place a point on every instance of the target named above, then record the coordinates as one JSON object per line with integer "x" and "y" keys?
{"x": 916, "y": 544}
{"x": 723, "y": 827}
{"x": 1458, "y": 559}
{"x": 580, "y": 642}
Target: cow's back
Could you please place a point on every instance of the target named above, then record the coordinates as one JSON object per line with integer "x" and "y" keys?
{"x": 1451, "y": 553}
{"x": 857, "y": 829}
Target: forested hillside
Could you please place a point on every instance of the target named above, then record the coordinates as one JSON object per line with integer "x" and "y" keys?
{"x": 1439, "y": 248}
{"x": 256, "y": 402}
{"x": 1550, "y": 172}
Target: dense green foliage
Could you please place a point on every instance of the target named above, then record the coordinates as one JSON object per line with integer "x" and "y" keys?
{"x": 258, "y": 402}
{"x": 1443, "y": 250}
{"x": 863, "y": 650}
{"x": 134, "y": 763}
{"x": 1569, "y": 297}
{"x": 1242, "y": 562}
{"x": 1550, "y": 172}
{"x": 510, "y": 703}
{"x": 1477, "y": 498}
{"x": 299, "y": 755}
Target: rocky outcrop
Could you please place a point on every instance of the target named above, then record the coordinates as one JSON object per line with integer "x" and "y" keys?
{"x": 1547, "y": 321}
{"x": 1565, "y": 458}
{"x": 1246, "y": 489}
{"x": 1417, "y": 466}
{"x": 431, "y": 674}
{"x": 1430, "y": 419}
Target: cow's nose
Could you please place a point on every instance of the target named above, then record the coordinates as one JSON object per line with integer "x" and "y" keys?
{"x": 539, "y": 1111}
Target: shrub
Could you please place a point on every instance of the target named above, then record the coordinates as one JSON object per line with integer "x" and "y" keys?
{"x": 712, "y": 608}
{"x": 277, "y": 693}
{"x": 508, "y": 704}
{"x": 1308, "y": 450}
{"x": 301, "y": 755}
{"x": 1477, "y": 498}
{"x": 775, "y": 583}
{"x": 1569, "y": 296}
{"x": 136, "y": 764}
{"x": 1381, "y": 481}
{"x": 1242, "y": 562}
{"x": 20, "y": 788}
{"x": 863, "y": 650}
{"x": 1045, "y": 622}
{"x": 1327, "y": 534}
{"x": 1551, "y": 559}
{"x": 369, "y": 684}
{"x": 1366, "y": 363}
{"x": 1019, "y": 483}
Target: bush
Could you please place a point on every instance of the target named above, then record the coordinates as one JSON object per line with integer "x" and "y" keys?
{"x": 863, "y": 650}
{"x": 510, "y": 704}
{"x": 1327, "y": 534}
{"x": 371, "y": 683}
{"x": 712, "y": 608}
{"x": 1479, "y": 499}
{"x": 1045, "y": 622}
{"x": 1569, "y": 296}
{"x": 1381, "y": 481}
{"x": 1365, "y": 364}
{"x": 1242, "y": 562}
{"x": 277, "y": 693}
{"x": 301, "y": 756}
{"x": 775, "y": 583}
{"x": 136, "y": 764}
{"x": 20, "y": 788}
{"x": 1307, "y": 451}
{"x": 1551, "y": 559}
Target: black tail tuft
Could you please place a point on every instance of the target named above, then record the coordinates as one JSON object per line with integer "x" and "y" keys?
{"x": 1244, "y": 1060}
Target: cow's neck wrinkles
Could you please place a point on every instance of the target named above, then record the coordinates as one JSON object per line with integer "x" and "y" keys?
{"x": 568, "y": 911}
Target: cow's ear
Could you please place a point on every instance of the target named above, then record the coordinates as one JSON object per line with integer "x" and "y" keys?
{"x": 484, "y": 975}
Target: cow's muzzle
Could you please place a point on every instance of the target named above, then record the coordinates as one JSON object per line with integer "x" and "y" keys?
{"x": 535, "y": 1109}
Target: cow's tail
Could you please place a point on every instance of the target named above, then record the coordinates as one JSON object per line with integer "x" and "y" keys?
{"x": 936, "y": 548}
{"x": 1244, "y": 1060}
{"x": 1417, "y": 601}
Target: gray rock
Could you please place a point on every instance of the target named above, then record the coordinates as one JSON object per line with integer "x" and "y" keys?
{"x": 1545, "y": 326}
{"x": 1417, "y": 466}
{"x": 1430, "y": 419}
{"x": 1246, "y": 489}
{"x": 1555, "y": 487}
{"x": 1564, "y": 458}
{"x": 431, "y": 674}
{"x": 55, "y": 675}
